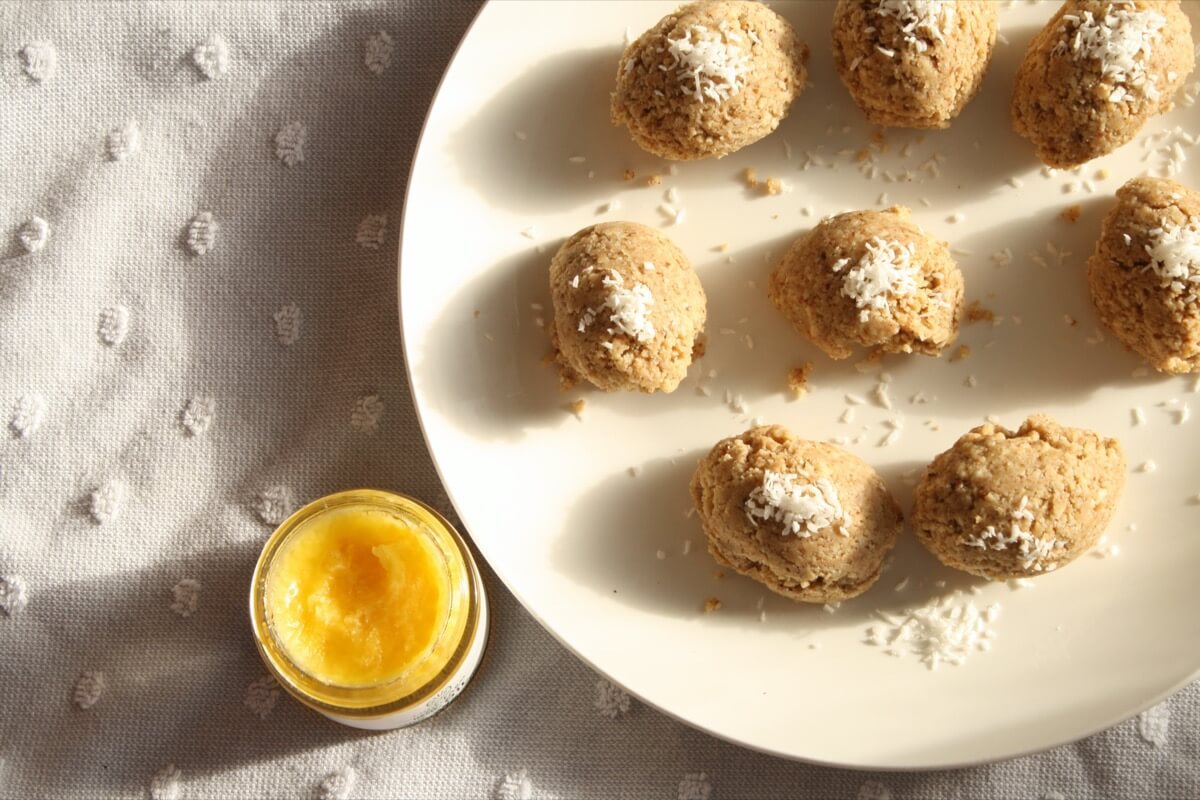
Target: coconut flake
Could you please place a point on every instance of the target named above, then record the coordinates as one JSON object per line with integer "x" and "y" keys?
{"x": 629, "y": 307}
{"x": 880, "y": 395}
{"x": 1174, "y": 252}
{"x": 1121, "y": 41}
{"x": 707, "y": 63}
{"x": 945, "y": 630}
{"x": 803, "y": 508}
{"x": 884, "y": 272}
{"x": 921, "y": 23}
{"x": 1036, "y": 553}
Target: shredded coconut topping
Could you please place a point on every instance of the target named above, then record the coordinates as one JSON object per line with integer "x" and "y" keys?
{"x": 1035, "y": 552}
{"x": 1121, "y": 41}
{"x": 629, "y": 307}
{"x": 947, "y": 629}
{"x": 803, "y": 508}
{"x": 1174, "y": 252}
{"x": 709, "y": 64}
{"x": 922, "y": 22}
{"x": 885, "y": 271}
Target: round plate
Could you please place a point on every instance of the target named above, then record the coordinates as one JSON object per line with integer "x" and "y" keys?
{"x": 586, "y": 519}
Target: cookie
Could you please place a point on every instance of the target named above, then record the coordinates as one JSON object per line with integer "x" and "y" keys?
{"x": 629, "y": 310}
{"x": 806, "y": 519}
{"x": 1002, "y": 504}
{"x": 1096, "y": 73}
{"x": 1144, "y": 275}
{"x": 913, "y": 65}
{"x": 709, "y": 79}
{"x": 870, "y": 279}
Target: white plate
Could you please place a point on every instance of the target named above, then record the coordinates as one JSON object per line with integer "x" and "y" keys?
{"x": 550, "y": 501}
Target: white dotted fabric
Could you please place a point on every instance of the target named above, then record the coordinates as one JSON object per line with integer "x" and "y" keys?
{"x": 199, "y": 206}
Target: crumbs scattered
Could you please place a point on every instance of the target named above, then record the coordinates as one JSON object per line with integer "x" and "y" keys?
{"x": 654, "y": 180}
{"x": 961, "y": 353}
{"x": 711, "y": 604}
{"x": 976, "y": 312}
{"x": 797, "y": 379}
{"x": 750, "y": 178}
{"x": 576, "y": 407}
{"x": 629, "y": 175}
{"x": 774, "y": 186}
{"x": 1105, "y": 550}
{"x": 1071, "y": 213}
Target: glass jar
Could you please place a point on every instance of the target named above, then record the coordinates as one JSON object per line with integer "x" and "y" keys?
{"x": 456, "y": 619}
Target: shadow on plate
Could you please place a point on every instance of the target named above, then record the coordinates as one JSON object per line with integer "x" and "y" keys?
{"x": 489, "y": 370}
{"x": 1046, "y": 346}
{"x": 980, "y": 151}
{"x": 617, "y": 530}
{"x": 532, "y": 146}
{"x": 561, "y": 108}
{"x": 826, "y": 131}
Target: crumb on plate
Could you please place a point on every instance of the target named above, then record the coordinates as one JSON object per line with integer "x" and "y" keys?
{"x": 797, "y": 379}
{"x": 976, "y": 312}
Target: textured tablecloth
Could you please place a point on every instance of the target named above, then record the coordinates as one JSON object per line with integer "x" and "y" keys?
{"x": 199, "y": 206}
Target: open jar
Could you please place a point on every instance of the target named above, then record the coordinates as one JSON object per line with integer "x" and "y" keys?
{"x": 368, "y": 607}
